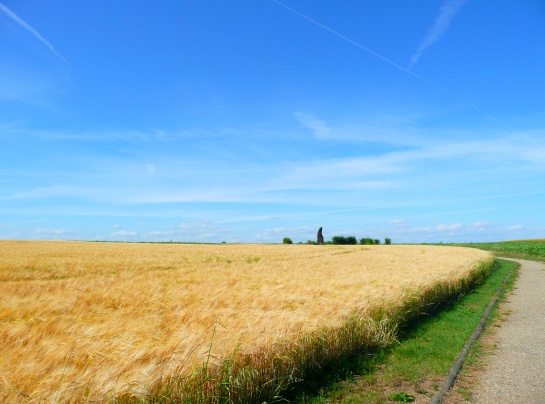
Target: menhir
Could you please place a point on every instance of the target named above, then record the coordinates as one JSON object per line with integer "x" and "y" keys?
{"x": 320, "y": 239}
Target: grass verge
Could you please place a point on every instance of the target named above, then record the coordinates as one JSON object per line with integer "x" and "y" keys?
{"x": 414, "y": 368}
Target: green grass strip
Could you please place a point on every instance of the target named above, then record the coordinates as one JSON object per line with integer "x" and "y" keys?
{"x": 526, "y": 249}
{"x": 427, "y": 348}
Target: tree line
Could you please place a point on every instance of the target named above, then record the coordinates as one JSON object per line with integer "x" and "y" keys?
{"x": 345, "y": 240}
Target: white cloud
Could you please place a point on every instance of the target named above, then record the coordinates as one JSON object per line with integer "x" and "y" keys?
{"x": 419, "y": 230}
{"x": 398, "y": 222}
{"x": 398, "y": 130}
{"x": 515, "y": 228}
{"x": 200, "y": 225}
{"x": 157, "y": 233}
{"x": 129, "y": 136}
{"x": 318, "y": 127}
{"x": 24, "y": 222}
{"x": 203, "y": 230}
{"x": 125, "y": 234}
{"x": 54, "y": 234}
{"x": 445, "y": 227}
{"x": 379, "y": 178}
{"x": 290, "y": 181}
{"x": 480, "y": 226}
{"x": 53, "y": 191}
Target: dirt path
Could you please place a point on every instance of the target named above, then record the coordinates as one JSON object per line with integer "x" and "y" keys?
{"x": 515, "y": 372}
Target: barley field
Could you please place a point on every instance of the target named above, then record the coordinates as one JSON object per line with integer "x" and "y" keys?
{"x": 120, "y": 322}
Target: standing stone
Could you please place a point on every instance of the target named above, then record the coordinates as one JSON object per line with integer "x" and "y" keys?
{"x": 320, "y": 239}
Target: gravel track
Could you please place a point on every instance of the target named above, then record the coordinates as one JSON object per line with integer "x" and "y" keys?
{"x": 515, "y": 372}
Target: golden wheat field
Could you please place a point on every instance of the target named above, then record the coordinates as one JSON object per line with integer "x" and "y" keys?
{"x": 95, "y": 321}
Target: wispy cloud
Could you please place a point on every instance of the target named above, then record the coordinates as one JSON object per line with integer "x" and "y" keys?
{"x": 53, "y": 232}
{"x": 399, "y": 222}
{"x": 53, "y": 191}
{"x": 24, "y": 222}
{"x": 123, "y": 234}
{"x": 199, "y": 230}
{"x": 456, "y": 232}
{"x": 318, "y": 127}
{"x": 129, "y": 136}
{"x": 445, "y": 227}
{"x": 396, "y": 130}
{"x": 442, "y": 22}
{"x": 23, "y": 24}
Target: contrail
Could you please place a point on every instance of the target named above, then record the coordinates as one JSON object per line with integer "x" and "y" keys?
{"x": 447, "y": 13}
{"x": 442, "y": 22}
{"x": 23, "y": 24}
{"x": 357, "y": 44}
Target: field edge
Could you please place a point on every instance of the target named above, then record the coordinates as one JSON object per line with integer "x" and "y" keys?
{"x": 272, "y": 373}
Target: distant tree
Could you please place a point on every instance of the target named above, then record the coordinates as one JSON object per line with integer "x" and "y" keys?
{"x": 337, "y": 240}
{"x": 351, "y": 240}
{"x": 376, "y": 241}
{"x": 344, "y": 240}
{"x": 287, "y": 240}
{"x": 387, "y": 240}
{"x": 367, "y": 241}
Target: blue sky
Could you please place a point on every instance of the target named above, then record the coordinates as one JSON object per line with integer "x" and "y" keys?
{"x": 254, "y": 120}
